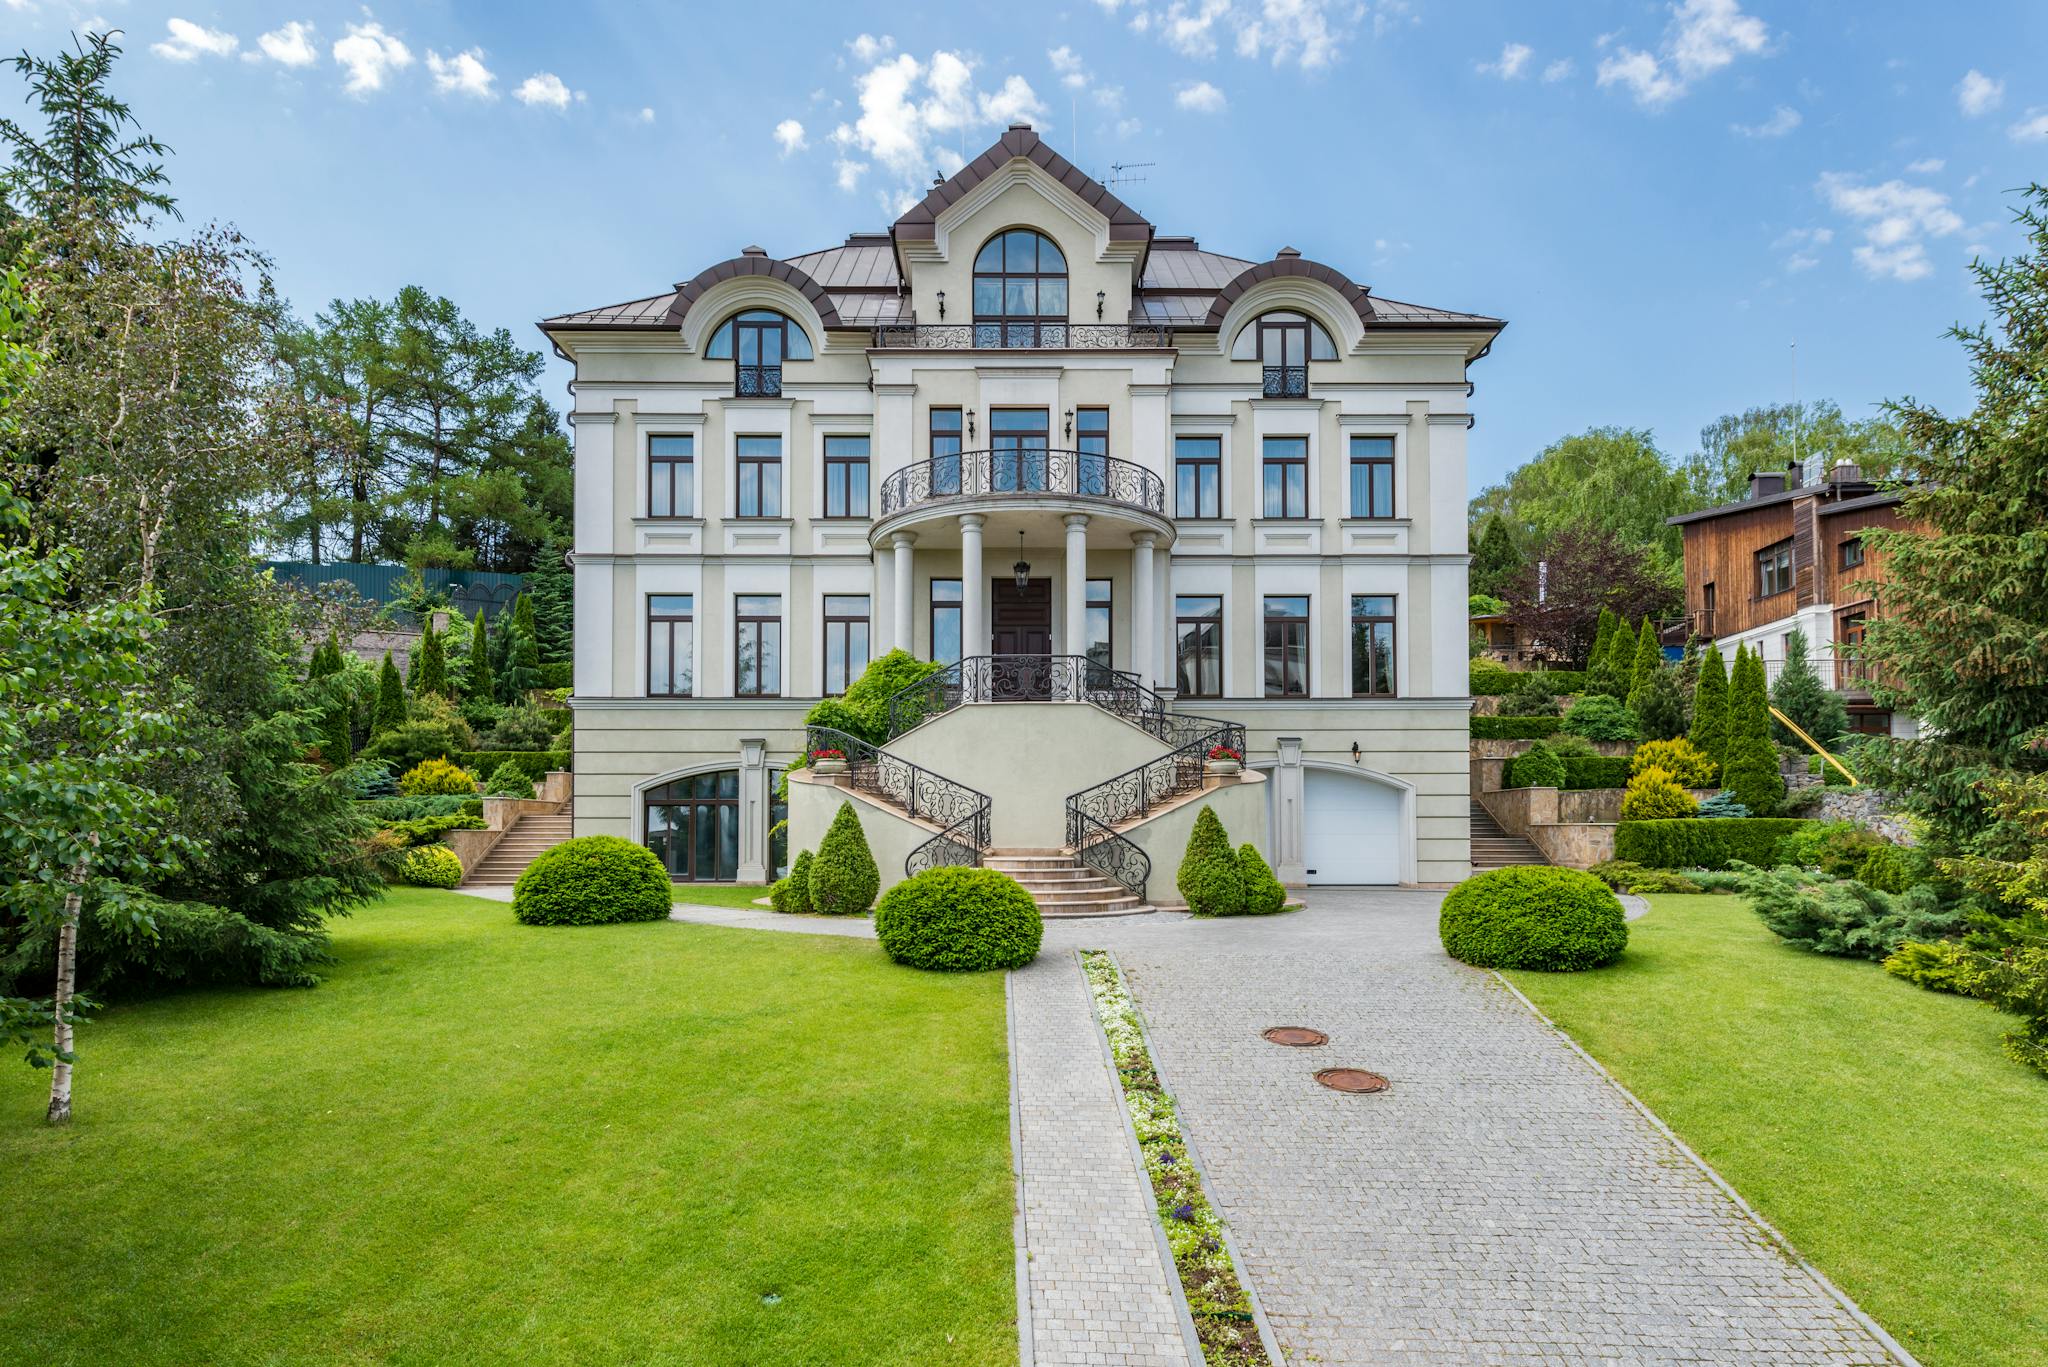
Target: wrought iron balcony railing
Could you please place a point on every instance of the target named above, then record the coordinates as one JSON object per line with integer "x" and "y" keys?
{"x": 759, "y": 382}
{"x": 981, "y": 474}
{"x": 1023, "y": 336}
{"x": 1286, "y": 381}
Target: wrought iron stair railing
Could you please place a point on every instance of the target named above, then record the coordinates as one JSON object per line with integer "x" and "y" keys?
{"x": 1094, "y": 813}
{"x": 1042, "y": 678}
{"x": 961, "y": 813}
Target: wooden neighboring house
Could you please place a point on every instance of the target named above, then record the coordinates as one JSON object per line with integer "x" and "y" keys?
{"x": 1502, "y": 643}
{"x": 1791, "y": 556}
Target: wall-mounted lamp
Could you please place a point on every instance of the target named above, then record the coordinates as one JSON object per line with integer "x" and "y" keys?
{"x": 942, "y": 303}
{"x": 1100, "y": 295}
{"x": 1022, "y": 569}
{"x": 1070, "y": 424}
{"x": 970, "y": 424}
{"x": 1354, "y": 752}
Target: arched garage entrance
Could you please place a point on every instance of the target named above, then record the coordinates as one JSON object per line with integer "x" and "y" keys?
{"x": 1351, "y": 828}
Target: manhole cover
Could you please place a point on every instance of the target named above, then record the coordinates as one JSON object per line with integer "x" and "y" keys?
{"x": 1296, "y": 1036}
{"x": 1352, "y": 1080}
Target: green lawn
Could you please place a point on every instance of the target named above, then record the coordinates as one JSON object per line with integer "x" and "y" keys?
{"x": 719, "y": 895}
{"x": 480, "y": 1142}
{"x": 1876, "y": 1124}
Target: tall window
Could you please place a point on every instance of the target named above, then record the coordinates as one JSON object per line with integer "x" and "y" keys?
{"x": 757, "y": 645}
{"x": 1284, "y": 478}
{"x": 946, "y": 621}
{"x": 1774, "y": 569}
{"x": 1372, "y": 646}
{"x": 1017, "y": 440}
{"x": 1852, "y": 553}
{"x": 760, "y": 476}
{"x": 693, "y": 825}
{"x": 671, "y": 634}
{"x": 1091, "y": 440}
{"x": 757, "y": 342}
{"x": 671, "y": 476}
{"x": 945, "y": 452}
{"x": 846, "y": 639}
{"x": 1283, "y": 342}
{"x": 1101, "y": 612}
{"x": 1198, "y": 646}
{"x": 846, "y": 476}
{"x": 1020, "y": 291}
{"x": 1286, "y": 665}
{"x": 1372, "y": 476}
{"x": 1198, "y": 476}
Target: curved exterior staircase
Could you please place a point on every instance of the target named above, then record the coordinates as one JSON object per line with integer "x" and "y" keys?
{"x": 1061, "y": 885}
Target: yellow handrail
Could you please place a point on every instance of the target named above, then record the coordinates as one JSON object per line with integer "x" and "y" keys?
{"x": 1815, "y": 746}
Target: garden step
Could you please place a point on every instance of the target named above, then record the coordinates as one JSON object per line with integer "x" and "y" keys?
{"x": 1494, "y": 848}
{"x": 525, "y": 840}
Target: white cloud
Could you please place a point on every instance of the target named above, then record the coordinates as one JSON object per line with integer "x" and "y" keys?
{"x": 848, "y": 173}
{"x": 2032, "y": 128}
{"x": 1896, "y": 219}
{"x": 370, "y": 54}
{"x": 291, "y": 45}
{"x": 1308, "y": 33}
{"x": 867, "y": 47}
{"x": 1201, "y": 97}
{"x": 463, "y": 74}
{"x": 1514, "y": 57}
{"x": 1800, "y": 261}
{"x": 647, "y": 114}
{"x": 1926, "y": 166}
{"x": 911, "y": 111}
{"x": 189, "y": 42}
{"x": 1782, "y": 121}
{"x": 1703, "y": 37}
{"x": 545, "y": 88}
{"x": 789, "y": 136}
{"x": 1067, "y": 63}
{"x": 1129, "y": 128}
{"x": 1977, "y": 94}
{"x": 1559, "y": 70}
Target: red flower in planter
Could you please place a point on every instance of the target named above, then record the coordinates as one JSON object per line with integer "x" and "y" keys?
{"x": 1224, "y": 752}
{"x": 828, "y": 754}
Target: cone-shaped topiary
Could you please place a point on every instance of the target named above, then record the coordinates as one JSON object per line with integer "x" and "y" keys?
{"x": 334, "y": 731}
{"x": 843, "y": 877}
{"x": 480, "y": 685}
{"x": 592, "y": 880}
{"x": 1537, "y": 767}
{"x": 433, "y": 657}
{"x": 796, "y": 897}
{"x": 1263, "y": 893}
{"x": 390, "y": 698}
{"x": 1209, "y": 880}
{"x": 1603, "y": 634}
{"x": 960, "y": 920}
{"x": 522, "y": 673}
{"x": 1648, "y": 661}
{"x": 1710, "y": 706}
{"x": 1658, "y": 707}
{"x": 1752, "y": 779}
{"x": 1551, "y": 920}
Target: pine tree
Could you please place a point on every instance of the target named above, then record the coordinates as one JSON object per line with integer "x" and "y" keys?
{"x": 1800, "y": 695}
{"x": 1710, "y": 706}
{"x": 390, "y": 698}
{"x": 480, "y": 659}
{"x": 522, "y": 673}
{"x": 433, "y": 658}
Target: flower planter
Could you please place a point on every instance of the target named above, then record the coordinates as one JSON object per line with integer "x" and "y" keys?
{"x": 828, "y": 768}
{"x": 1223, "y": 768}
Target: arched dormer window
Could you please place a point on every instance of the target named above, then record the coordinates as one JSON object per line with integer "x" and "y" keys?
{"x": 1283, "y": 342}
{"x": 1020, "y": 291}
{"x": 757, "y": 342}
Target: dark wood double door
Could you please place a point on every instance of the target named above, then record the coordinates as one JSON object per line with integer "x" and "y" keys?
{"x": 1020, "y": 631}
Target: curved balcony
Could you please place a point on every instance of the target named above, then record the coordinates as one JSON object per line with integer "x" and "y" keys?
{"x": 1023, "y": 474}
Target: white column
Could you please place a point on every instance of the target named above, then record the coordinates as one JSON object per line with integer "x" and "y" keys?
{"x": 1288, "y": 864}
{"x": 1143, "y": 632}
{"x": 754, "y": 795}
{"x": 906, "y": 636}
{"x": 1077, "y": 583}
{"x": 973, "y": 584}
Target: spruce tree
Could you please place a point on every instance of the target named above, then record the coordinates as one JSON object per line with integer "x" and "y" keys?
{"x": 390, "y": 698}
{"x": 433, "y": 659}
{"x": 1710, "y": 706}
{"x": 522, "y": 673}
{"x": 1602, "y": 635}
{"x": 1649, "y": 657}
{"x": 1495, "y": 565}
{"x": 552, "y": 591}
{"x": 1801, "y": 695}
{"x": 480, "y": 659}
{"x": 1610, "y": 672}
{"x": 334, "y": 731}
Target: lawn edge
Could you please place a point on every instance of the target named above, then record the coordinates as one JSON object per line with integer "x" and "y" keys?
{"x": 1019, "y": 1233}
{"x": 1891, "y": 1345}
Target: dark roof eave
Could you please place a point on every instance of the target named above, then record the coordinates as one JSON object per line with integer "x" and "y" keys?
{"x": 1871, "y": 498}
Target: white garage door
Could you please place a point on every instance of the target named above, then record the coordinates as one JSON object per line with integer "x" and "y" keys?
{"x": 1351, "y": 829}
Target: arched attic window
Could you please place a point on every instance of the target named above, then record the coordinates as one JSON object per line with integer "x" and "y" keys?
{"x": 757, "y": 342}
{"x": 1283, "y": 342}
{"x": 1020, "y": 291}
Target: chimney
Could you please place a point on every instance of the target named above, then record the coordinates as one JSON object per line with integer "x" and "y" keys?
{"x": 1846, "y": 472}
{"x": 1763, "y": 482}
{"x": 1793, "y": 472}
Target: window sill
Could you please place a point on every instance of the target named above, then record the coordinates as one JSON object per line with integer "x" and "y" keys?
{"x": 858, "y": 519}
{"x": 1377, "y": 521}
{"x": 1284, "y": 521}
{"x": 763, "y": 521}
{"x": 651, "y": 519}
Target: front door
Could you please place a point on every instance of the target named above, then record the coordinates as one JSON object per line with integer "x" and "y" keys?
{"x": 1021, "y": 626}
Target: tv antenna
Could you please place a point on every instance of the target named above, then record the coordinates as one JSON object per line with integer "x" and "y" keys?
{"x": 1122, "y": 172}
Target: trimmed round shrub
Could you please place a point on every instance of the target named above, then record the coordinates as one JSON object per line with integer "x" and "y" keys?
{"x": 796, "y": 889}
{"x": 1752, "y": 778}
{"x": 509, "y": 780}
{"x": 1536, "y": 767}
{"x": 430, "y": 866}
{"x": 843, "y": 877}
{"x": 436, "y": 776}
{"x": 1653, "y": 795}
{"x": 1687, "y": 764}
{"x": 1551, "y": 920}
{"x": 1599, "y": 717}
{"x": 1210, "y": 880}
{"x": 592, "y": 880}
{"x": 1263, "y": 893}
{"x": 960, "y": 920}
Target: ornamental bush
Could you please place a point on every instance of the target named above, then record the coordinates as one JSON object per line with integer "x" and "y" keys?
{"x": 1536, "y": 767}
{"x": 1623, "y": 876}
{"x": 1836, "y": 848}
{"x": 1595, "y": 771}
{"x": 1841, "y": 916}
{"x": 1653, "y": 795}
{"x": 508, "y": 780}
{"x": 796, "y": 889}
{"x": 1514, "y": 728}
{"x": 1752, "y": 777}
{"x": 1687, "y": 764}
{"x": 1693, "y": 844}
{"x": 961, "y": 920}
{"x": 1938, "y": 966}
{"x": 1722, "y": 805}
{"x": 1263, "y": 893}
{"x": 1548, "y": 919}
{"x": 1598, "y": 717}
{"x": 1891, "y": 868}
{"x": 1210, "y": 880}
{"x": 592, "y": 880}
{"x": 430, "y": 866}
{"x": 436, "y": 776}
{"x": 843, "y": 878}
{"x": 1529, "y": 699}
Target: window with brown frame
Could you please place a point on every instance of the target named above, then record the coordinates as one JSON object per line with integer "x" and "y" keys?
{"x": 671, "y": 476}
{"x": 945, "y": 451}
{"x": 1198, "y": 645}
{"x": 760, "y": 477}
{"x": 1372, "y": 645}
{"x": 1284, "y": 477}
{"x": 1707, "y": 595}
{"x": 757, "y": 342}
{"x": 846, "y": 639}
{"x": 1283, "y": 355}
{"x": 1850, "y": 554}
{"x": 757, "y": 645}
{"x": 1286, "y": 662}
{"x": 671, "y": 636}
{"x": 846, "y": 476}
{"x": 1198, "y": 476}
{"x": 1372, "y": 476}
{"x": 1091, "y": 441}
{"x": 1774, "y": 569}
{"x": 1020, "y": 291}
{"x": 946, "y": 620}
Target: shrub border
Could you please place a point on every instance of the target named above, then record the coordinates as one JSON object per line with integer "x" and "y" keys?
{"x": 1109, "y": 998}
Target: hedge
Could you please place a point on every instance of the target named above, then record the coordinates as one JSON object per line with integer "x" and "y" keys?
{"x": 1595, "y": 771}
{"x": 1490, "y": 680}
{"x": 1514, "y": 728}
{"x": 1690, "y": 843}
{"x": 535, "y": 764}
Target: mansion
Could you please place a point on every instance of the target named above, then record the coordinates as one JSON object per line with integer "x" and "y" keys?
{"x": 1137, "y": 495}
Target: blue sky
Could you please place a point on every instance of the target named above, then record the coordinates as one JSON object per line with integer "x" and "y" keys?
{"x": 1660, "y": 197}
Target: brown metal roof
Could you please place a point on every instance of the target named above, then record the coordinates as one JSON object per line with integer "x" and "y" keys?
{"x": 919, "y": 222}
{"x": 1837, "y": 496}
